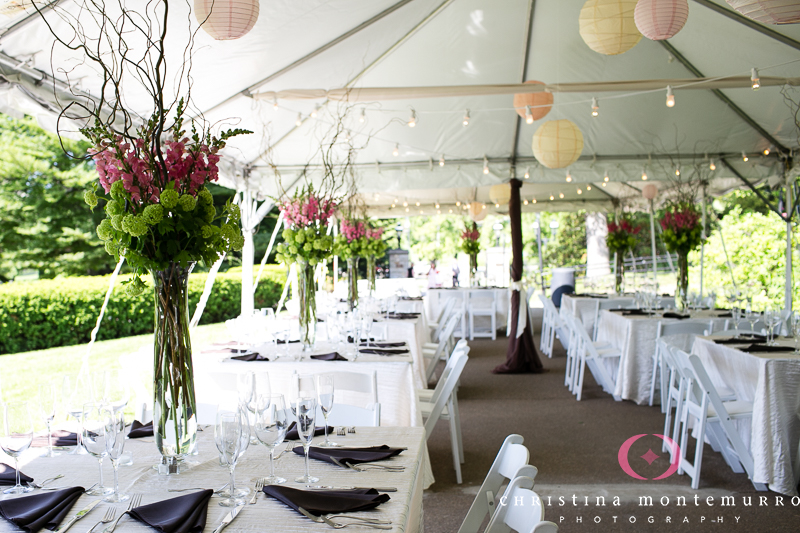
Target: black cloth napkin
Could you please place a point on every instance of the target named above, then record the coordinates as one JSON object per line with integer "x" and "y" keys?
{"x": 632, "y": 312}
{"x": 379, "y": 351}
{"x": 42, "y": 510}
{"x": 740, "y": 340}
{"x": 333, "y": 356}
{"x": 411, "y": 298}
{"x": 281, "y": 341}
{"x": 8, "y": 476}
{"x": 351, "y": 341}
{"x": 763, "y": 348}
{"x": 255, "y": 356}
{"x": 184, "y": 514}
{"x": 236, "y": 350}
{"x": 319, "y": 502}
{"x": 725, "y": 314}
{"x": 291, "y": 432}
{"x": 350, "y": 455}
{"x": 139, "y": 430}
{"x": 588, "y": 295}
{"x": 383, "y": 344}
{"x": 675, "y": 315}
{"x": 60, "y": 438}
{"x": 403, "y": 315}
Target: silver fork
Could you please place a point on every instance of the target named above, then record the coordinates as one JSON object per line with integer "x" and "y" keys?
{"x": 288, "y": 447}
{"x": 337, "y": 525}
{"x": 110, "y": 512}
{"x": 45, "y": 482}
{"x": 136, "y": 499}
{"x": 257, "y": 491}
{"x": 370, "y": 466}
{"x": 198, "y": 488}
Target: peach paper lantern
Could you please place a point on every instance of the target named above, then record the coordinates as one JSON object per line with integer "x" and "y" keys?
{"x": 650, "y": 191}
{"x": 608, "y": 26}
{"x": 226, "y": 20}
{"x": 557, "y": 143}
{"x": 540, "y": 103}
{"x": 477, "y": 212}
{"x": 660, "y": 19}
{"x": 768, "y": 11}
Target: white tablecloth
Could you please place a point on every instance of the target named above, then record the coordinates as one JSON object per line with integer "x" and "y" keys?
{"x": 583, "y": 307}
{"x": 404, "y": 508}
{"x": 635, "y": 336}
{"x": 772, "y": 382}
{"x": 436, "y": 298}
{"x": 415, "y": 333}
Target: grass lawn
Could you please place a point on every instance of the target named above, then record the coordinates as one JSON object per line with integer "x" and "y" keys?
{"x": 21, "y": 373}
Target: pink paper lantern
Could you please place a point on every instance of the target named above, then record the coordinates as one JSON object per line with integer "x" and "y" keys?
{"x": 225, "y": 20}
{"x": 660, "y": 19}
{"x": 768, "y": 11}
{"x": 650, "y": 191}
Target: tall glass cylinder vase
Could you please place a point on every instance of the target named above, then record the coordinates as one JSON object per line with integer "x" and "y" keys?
{"x": 371, "y": 274}
{"x": 473, "y": 270}
{"x": 682, "y": 289}
{"x": 174, "y": 408}
{"x": 619, "y": 271}
{"x": 352, "y": 282}
{"x": 307, "y": 294}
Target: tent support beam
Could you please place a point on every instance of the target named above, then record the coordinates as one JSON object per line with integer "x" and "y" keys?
{"x": 727, "y": 101}
{"x": 752, "y": 188}
{"x": 787, "y": 304}
{"x": 750, "y": 23}
{"x": 523, "y": 75}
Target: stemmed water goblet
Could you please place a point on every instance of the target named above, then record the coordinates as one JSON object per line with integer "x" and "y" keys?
{"x": 116, "y": 445}
{"x": 16, "y": 435}
{"x": 77, "y": 391}
{"x": 232, "y": 408}
{"x": 228, "y": 434}
{"x": 304, "y": 408}
{"x": 250, "y": 387}
{"x": 96, "y": 430}
{"x": 270, "y": 427}
{"x": 750, "y": 315}
{"x": 366, "y": 326}
{"x": 325, "y": 394}
{"x": 772, "y": 318}
{"x": 795, "y": 325}
{"x": 48, "y": 402}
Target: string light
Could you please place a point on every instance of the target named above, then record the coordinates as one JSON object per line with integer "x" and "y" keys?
{"x": 465, "y": 122}
{"x": 552, "y": 198}
{"x": 528, "y": 173}
{"x": 299, "y": 121}
{"x": 678, "y": 171}
{"x": 482, "y": 206}
{"x": 449, "y": 210}
{"x": 412, "y": 121}
{"x": 766, "y": 151}
{"x": 670, "y": 97}
{"x": 396, "y": 150}
{"x": 744, "y": 156}
{"x": 604, "y": 183}
{"x": 406, "y": 210}
{"x": 528, "y": 115}
{"x": 405, "y": 204}
{"x": 644, "y": 173}
{"x": 393, "y": 206}
{"x": 561, "y": 195}
{"x": 363, "y": 115}
{"x": 595, "y": 107}
{"x": 588, "y": 187}
{"x": 438, "y": 212}
{"x": 417, "y": 204}
{"x": 485, "y": 165}
{"x": 534, "y": 200}
{"x": 437, "y": 205}
{"x": 580, "y": 191}
{"x": 525, "y": 202}
{"x": 754, "y": 79}
{"x": 458, "y": 203}
{"x": 569, "y": 177}
{"x": 275, "y": 104}
{"x": 605, "y": 178}
{"x": 441, "y": 161}
{"x": 712, "y": 166}
{"x": 497, "y": 206}
{"x": 314, "y": 113}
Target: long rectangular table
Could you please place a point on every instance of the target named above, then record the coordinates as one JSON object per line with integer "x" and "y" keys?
{"x": 772, "y": 382}
{"x": 404, "y": 508}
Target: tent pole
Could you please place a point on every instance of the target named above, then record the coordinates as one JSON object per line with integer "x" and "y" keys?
{"x": 653, "y": 246}
{"x": 248, "y": 253}
{"x": 278, "y": 225}
{"x": 703, "y": 241}
{"x": 539, "y": 246}
{"x": 787, "y": 304}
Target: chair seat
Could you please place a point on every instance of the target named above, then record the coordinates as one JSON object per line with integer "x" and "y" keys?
{"x": 609, "y": 352}
{"x": 430, "y": 345}
{"x": 736, "y": 408}
{"x": 425, "y": 410}
{"x": 726, "y": 394}
{"x": 424, "y": 394}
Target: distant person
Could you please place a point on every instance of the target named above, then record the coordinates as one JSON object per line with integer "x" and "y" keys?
{"x": 456, "y": 272}
{"x": 411, "y": 271}
{"x": 432, "y": 276}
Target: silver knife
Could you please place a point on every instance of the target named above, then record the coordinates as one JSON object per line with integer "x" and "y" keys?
{"x": 330, "y": 487}
{"x": 78, "y": 516}
{"x": 228, "y": 518}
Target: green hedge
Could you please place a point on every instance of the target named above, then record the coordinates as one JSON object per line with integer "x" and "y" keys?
{"x": 62, "y": 312}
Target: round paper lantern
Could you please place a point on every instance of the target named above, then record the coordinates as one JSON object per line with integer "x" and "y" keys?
{"x": 660, "y": 19}
{"x": 500, "y": 194}
{"x": 557, "y": 143}
{"x": 540, "y": 103}
{"x": 650, "y": 191}
{"x": 608, "y": 26}
{"x": 768, "y": 11}
{"x": 477, "y": 211}
{"x": 225, "y": 20}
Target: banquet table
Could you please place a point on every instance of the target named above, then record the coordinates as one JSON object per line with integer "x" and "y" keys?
{"x": 582, "y": 306}
{"x": 436, "y": 298}
{"x": 635, "y": 337}
{"x": 404, "y": 508}
{"x": 772, "y": 382}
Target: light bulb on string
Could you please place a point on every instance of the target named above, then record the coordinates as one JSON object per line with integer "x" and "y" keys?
{"x": 588, "y": 187}
{"x": 483, "y": 206}
{"x": 605, "y": 177}
{"x": 485, "y": 165}
{"x": 670, "y": 97}
{"x": 393, "y": 205}
{"x": 417, "y": 204}
{"x": 678, "y": 171}
{"x": 561, "y": 195}
{"x": 712, "y": 166}
{"x": 744, "y": 156}
{"x": 437, "y": 205}
{"x": 595, "y": 107}
{"x": 465, "y": 122}
{"x": 569, "y": 176}
{"x": 552, "y": 198}
{"x": 396, "y": 150}
{"x": 275, "y": 104}
{"x": 766, "y": 151}
{"x": 644, "y": 173}
{"x": 580, "y": 191}
{"x": 438, "y": 212}
{"x": 528, "y": 173}
{"x": 534, "y": 200}
{"x": 299, "y": 121}
{"x": 441, "y": 161}
{"x": 406, "y": 210}
{"x": 458, "y": 203}
{"x": 449, "y": 210}
{"x": 604, "y": 183}
{"x": 405, "y": 204}
{"x": 314, "y": 113}
{"x": 528, "y": 115}
{"x": 525, "y": 202}
{"x": 412, "y": 121}
{"x": 754, "y": 79}
{"x": 497, "y": 206}
{"x": 363, "y": 115}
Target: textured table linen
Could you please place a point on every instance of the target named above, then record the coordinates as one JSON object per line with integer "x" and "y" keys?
{"x": 404, "y": 508}
{"x": 772, "y": 382}
{"x": 583, "y": 307}
{"x": 635, "y": 336}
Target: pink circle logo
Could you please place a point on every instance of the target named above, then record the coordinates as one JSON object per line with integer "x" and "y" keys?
{"x": 650, "y": 456}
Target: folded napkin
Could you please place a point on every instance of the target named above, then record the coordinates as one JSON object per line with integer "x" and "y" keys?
{"x": 350, "y": 455}
{"x": 411, "y": 298}
{"x": 632, "y": 312}
{"x": 8, "y": 476}
{"x": 333, "y": 356}
{"x": 384, "y": 344}
{"x": 351, "y": 341}
{"x": 236, "y": 350}
{"x": 403, "y": 315}
{"x": 139, "y": 430}
{"x": 291, "y": 432}
{"x": 281, "y": 341}
{"x": 725, "y": 314}
{"x": 378, "y": 351}
{"x": 41, "y": 510}
{"x": 184, "y": 514}
{"x": 675, "y": 315}
{"x": 319, "y": 502}
{"x": 763, "y": 348}
{"x": 60, "y": 438}
{"x": 736, "y": 340}
{"x": 255, "y": 356}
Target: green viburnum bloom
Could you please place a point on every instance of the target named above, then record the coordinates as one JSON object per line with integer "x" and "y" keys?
{"x": 134, "y": 225}
{"x": 287, "y": 235}
{"x": 136, "y": 287}
{"x": 116, "y": 221}
{"x": 209, "y": 212}
{"x": 238, "y": 242}
{"x": 234, "y": 214}
{"x": 206, "y": 232}
{"x": 153, "y": 214}
{"x": 112, "y": 248}
{"x": 118, "y": 191}
{"x": 307, "y": 247}
{"x": 105, "y": 230}
{"x": 187, "y": 202}
{"x": 169, "y": 198}
{"x": 90, "y": 198}
{"x": 204, "y": 197}
{"x": 114, "y": 208}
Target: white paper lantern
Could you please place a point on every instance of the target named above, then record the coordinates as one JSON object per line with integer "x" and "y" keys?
{"x": 768, "y": 11}
{"x": 661, "y": 19}
{"x": 608, "y": 26}
{"x": 225, "y": 20}
{"x": 500, "y": 194}
{"x": 477, "y": 211}
{"x": 557, "y": 143}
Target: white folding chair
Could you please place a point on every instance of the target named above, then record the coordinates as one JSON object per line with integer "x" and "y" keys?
{"x": 593, "y": 355}
{"x": 348, "y": 414}
{"x": 521, "y": 510}
{"x": 611, "y": 303}
{"x": 745, "y": 326}
{"x": 441, "y": 349}
{"x": 511, "y": 462}
{"x": 440, "y": 323}
{"x": 482, "y": 303}
{"x": 552, "y": 324}
{"x": 667, "y": 329}
{"x": 569, "y": 377}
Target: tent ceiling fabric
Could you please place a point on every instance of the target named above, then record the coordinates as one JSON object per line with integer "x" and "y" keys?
{"x": 448, "y": 47}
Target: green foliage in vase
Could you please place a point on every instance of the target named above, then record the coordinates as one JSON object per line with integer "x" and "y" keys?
{"x": 682, "y": 231}
{"x": 621, "y": 235}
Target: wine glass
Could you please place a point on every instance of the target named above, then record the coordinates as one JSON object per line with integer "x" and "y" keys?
{"x": 16, "y": 435}
{"x": 772, "y": 317}
{"x": 366, "y": 326}
{"x": 304, "y": 407}
{"x": 77, "y": 391}
{"x": 250, "y": 387}
{"x": 97, "y": 428}
{"x": 99, "y": 383}
{"x": 272, "y": 421}
{"x": 750, "y": 315}
{"x": 325, "y": 390}
{"x": 228, "y": 436}
{"x": 332, "y": 328}
{"x": 222, "y": 409}
{"x": 116, "y": 445}
{"x": 795, "y": 323}
{"x": 736, "y": 314}
{"x": 48, "y": 400}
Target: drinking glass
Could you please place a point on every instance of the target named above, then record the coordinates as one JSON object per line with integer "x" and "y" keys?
{"x": 325, "y": 395}
{"x": 772, "y": 317}
{"x": 77, "y": 391}
{"x": 750, "y": 315}
{"x": 332, "y": 328}
{"x": 228, "y": 435}
{"x": 270, "y": 428}
{"x": 116, "y": 446}
{"x": 366, "y": 326}
{"x": 304, "y": 408}
{"x": 16, "y": 435}
{"x": 48, "y": 400}
{"x": 227, "y": 409}
{"x": 97, "y": 429}
{"x": 795, "y": 323}
{"x": 250, "y": 386}
{"x": 99, "y": 384}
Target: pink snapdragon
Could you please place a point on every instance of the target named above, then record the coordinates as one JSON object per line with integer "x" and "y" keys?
{"x": 471, "y": 235}
{"x": 624, "y": 226}
{"x": 307, "y": 210}
{"x": 374, "y": 234}
{"x": 680, "y": 220}
{"x": 353, "y": 229}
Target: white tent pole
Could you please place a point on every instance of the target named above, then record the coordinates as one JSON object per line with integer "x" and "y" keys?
{"x": 653, "y": 245}
{"x": 703, "y": 242}
{"x": 248, "y": 253}
{"x": 93, "y": 337}
{"x": 539, "y": 245}
{"x": 335, "y": 262}
{"x": 269, "y": 249}
{"x": 787, "y": 304}
{"x": 201, "y": 305}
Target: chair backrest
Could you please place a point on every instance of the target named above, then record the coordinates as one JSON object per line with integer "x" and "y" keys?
{"x": 445, "y": 312}
{"x": 448, "y": 368}
{"x": 459, "y": 361}
{"x": 673, "y": 329}
{"x": 343, "y": 414}
{"x": 447, "y": 334}
{"x": 361, "y": 382}
{"x": 559, "y": 292}
{"x": 520, "y": 508}
{"x": 482, "y": 299}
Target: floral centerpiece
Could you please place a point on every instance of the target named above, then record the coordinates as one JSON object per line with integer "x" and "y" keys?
{"x": 161, "y": 218}
{"x": 307, "y": 243}
{"x": 621, "y": 238}
{"x": 682, "y": 232}
{"x": 470, "y": 245}
{"x": 374, "y": 249}
{"x": 352, "y": 244}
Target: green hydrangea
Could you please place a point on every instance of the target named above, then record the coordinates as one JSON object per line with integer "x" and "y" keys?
{"x": 90, "y": 198}
{"x": 308, "y": 247}
{"x": 300, "y": 237}
{"x": 187, "y": 202}
{"x": 287, "y": 234}
{"x": 105, "y": 230}
{"x": 136, "y": 287}
{"x": 206, "y": 232}
{"x": 153, "y": 214}
{"x": 116, "y": 222}
{"x": 209, "y": 213}
{"x": 169, "y": 198}
{"x": 134, "y": 225}
{"x": 112, "y": 248}
{"x": 204, "y": 197}
{"x": 114, "y": 207}
{"x": 118, "y": 191}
